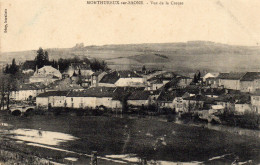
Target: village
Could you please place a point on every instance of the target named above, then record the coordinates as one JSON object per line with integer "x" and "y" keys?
{"x": 69, "y": 111}
{"x": 147, "y": 91}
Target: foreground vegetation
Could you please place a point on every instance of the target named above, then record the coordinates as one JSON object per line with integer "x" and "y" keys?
{"x": 145, "y": 136}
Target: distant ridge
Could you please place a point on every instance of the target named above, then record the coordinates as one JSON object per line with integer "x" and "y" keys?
{"x": 190, "y": 55}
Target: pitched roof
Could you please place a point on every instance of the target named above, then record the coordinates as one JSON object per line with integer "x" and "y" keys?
{"x": 164, "y": 76}
{"x": 112, "y": 77}
{"x": 26, "y": 87}
{"x": 170, "y": 95}
{"x": 94, "y": 92}
{"x": 197, "y": 98}
{"x": 166, "y": 96}
{"x": 231, "y": 76}
{"x": 251, "y": 76}
{"x": 31, "y": 86}
{"x": 139, "y": 95}
{"x": 53, "y": 93}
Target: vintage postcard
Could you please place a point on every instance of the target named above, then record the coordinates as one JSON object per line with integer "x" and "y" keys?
{"x": 146, "y": 82}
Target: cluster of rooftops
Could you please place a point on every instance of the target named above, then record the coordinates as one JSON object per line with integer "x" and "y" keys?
{"x": 113, "y": 92}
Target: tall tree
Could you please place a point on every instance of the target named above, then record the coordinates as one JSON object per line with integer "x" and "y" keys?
{"x": 143, "y": 68}
{"x": 199, "y": 76}
{"x": 7, "y": 84}
{"x": 97, "y": 65}
{"x": 13, "y": 68}
{"x": 42, "y": 58}
{"x": 195, "y": 79}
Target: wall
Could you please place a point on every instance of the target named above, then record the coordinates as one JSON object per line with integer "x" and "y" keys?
{"x": 57, "y": 101}
{"x": 106, "y": 85}
{"x": 255, "y": 101}
{"x": 42, "y": 101}
{"x": 230, "y": 84}
{"x": 241, "y": 108}
{"x": 134, "y": 82}
{"x": 249, "y": 86}
{"x": 184, "y": 82}
{"x": 191, "y": 105}
{"x": 105, "y": 101}
{"x": 23, "y": 94}
{"x": 138, "y": 102}
{"x": 178, "y": 104}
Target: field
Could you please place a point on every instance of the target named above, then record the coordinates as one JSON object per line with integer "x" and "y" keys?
{"x": 116, "y": 137}
{"x": 190, "y": 56}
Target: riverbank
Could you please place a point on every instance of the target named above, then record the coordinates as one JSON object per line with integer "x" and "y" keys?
{"x": 142, "y": 137}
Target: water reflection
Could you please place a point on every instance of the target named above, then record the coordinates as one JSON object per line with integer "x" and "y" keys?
{"x": 40, "y": 136}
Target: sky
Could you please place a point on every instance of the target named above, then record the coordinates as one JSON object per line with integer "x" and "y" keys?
{"x": 63, "y": 23}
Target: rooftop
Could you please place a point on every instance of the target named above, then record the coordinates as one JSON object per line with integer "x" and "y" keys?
{"x": 231, "y": 76}
{"x": 112, "y": 77}
{"x": 94, "y": 92}
{"x": 53, "y": 93}
{"x": 251, "y": 76}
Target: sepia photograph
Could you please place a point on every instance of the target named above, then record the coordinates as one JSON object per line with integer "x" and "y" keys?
{"x": 135, "y": 82}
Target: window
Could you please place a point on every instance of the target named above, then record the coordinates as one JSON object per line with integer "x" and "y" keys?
{"x": 71, "y": 99}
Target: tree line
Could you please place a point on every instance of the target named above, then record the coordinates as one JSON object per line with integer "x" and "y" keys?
{"x": 11, "y": 74}
{"x": 42, "y": 58}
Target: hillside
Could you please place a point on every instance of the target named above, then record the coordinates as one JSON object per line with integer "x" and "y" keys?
{"x": 188, "y": 56}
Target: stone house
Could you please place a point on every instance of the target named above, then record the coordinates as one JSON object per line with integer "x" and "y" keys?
{"x": 122, "y": 79}
{"x": 230, "y": 80}
{"x": 250, "y": 82}
{"x": 52, "y": 99}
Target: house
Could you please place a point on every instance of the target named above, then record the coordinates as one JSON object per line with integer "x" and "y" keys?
{"x": 52, "y": 99}
{"x": 213, "y": 82}
{"x": 165, "y": 100}
{"x": 230, "y": 80}
{"x": 213, "y": 92}
{"x": 66, "y": 84}
{"x": 27, "y": 91}
{"x": 209, "y": 75}
{"x": 224, "y": 101}
{"x": 154, "y": 84}
{"x": 178, "y": 100}
{"x": 242, "y": 107}
{"x": 91, "y": 98}
{"x": 162, "y": 78}
{"x": 122, "y": 79}
{"x": 80, "y": 68}
{"x": 46, "y": 75}
{"x": 194, "y": 103}
{"x": 250, "y": 82}
{"x": 96, "y": 77}
{"x": 139, "y": 98}
{"x": 255, "y": 101}
{"x": 184, "y": 81}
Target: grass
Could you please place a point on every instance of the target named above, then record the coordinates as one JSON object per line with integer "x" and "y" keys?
{"x": 110, "y": 135}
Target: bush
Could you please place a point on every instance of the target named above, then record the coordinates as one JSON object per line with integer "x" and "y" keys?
{"x": 247, "y": 120}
